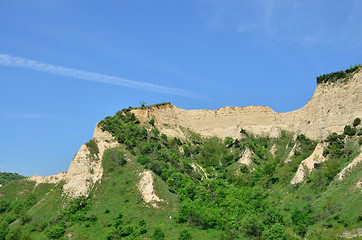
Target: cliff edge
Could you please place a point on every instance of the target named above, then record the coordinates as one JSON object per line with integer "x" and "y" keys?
{"x": 332, "y": 106}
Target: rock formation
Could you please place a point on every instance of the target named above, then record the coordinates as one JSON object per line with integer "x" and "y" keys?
{"x": 308, "y": 164}
{"x": 332, "y": 107}
{"x": 86, "y": 170}
{"x": 147, "y": 190}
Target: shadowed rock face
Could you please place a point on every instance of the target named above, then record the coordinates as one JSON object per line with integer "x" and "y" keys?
{"x": 333, "y": 106}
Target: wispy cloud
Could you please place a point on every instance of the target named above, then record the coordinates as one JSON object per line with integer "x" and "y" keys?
{"x": 19, "y": 62}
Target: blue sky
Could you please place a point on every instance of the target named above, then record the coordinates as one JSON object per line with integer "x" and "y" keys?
{"x": 65, "y": 65}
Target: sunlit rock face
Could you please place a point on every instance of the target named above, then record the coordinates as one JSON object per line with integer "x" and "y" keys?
{"x": 333, "y": 106}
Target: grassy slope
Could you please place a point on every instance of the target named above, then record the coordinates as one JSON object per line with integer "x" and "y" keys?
{"x": 344, "y": 197}
{"x": 118, "y": 193}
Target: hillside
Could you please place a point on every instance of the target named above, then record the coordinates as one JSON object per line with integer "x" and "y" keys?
{"x": 161, "y": 172}
{"x": 6, "y": 177}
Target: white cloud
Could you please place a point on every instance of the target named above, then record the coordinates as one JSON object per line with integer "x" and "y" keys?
{"x": 18, "y": 62}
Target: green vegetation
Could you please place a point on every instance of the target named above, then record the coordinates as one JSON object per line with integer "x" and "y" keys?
{"x": 92, "y": 147}
{"x": 338, "y": 76}
{"x": 356, "y": 122}
{"x": 208, "y": 192}
{"x": 144, "y": 106}
{"x": 6, "y": 177}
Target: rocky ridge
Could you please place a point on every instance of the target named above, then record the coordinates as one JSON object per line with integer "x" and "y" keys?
{"x": 333, "y": 106}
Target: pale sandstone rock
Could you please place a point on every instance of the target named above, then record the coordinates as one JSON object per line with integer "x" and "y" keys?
{"x": 356, "y": 232}
{"x": 307, "y": 165}
{"x": 147, "y": 190}
{"x": 84, "y": 171}
{"x": 333, "y": 106}
{"x": 55, "y": 179}
{"x": 296, "y": 147}
{"x": 273, "y": 149}
{"x": 246, "y": 157}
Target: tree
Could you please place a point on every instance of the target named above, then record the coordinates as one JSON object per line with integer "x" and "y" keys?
{"x": 143, "y": 104}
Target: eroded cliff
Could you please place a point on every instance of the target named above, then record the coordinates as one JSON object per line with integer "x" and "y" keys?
{"x": 333, "y": 106}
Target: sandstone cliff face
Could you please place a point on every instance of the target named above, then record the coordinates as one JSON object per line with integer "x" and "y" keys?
{"x": 333, "y": 106}
{"x": 84, "y": 171}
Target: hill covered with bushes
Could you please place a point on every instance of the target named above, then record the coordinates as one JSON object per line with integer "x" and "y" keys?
{"x": 160, "y": 172}
{"x": 6, "y": 177}
{"x": 207, "y": 192}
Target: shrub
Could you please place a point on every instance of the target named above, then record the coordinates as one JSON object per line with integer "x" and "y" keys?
{"x": 92, "y": 147}
{"x": 158, "y": 234}
{"x": 56, "y": 232}
{"x": 332, "y": 137}
{"x": 185, "y": 235}
{"x": 301, "y": 220}
{"x": 356, "y": 122}
{"x": 336, "y": 76}
{"x": 143, "y": 159}
{"x": 348, "y": 130}
{"x": 275, "y": 232}
{"x": 164, "y": 137}
{"x": 152, "y": 122}
{"x": 359, "y": 132}
{"x": 4, "y": 206}
{"x": 228, "y": 141}
{"x": 125, "y": 128}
